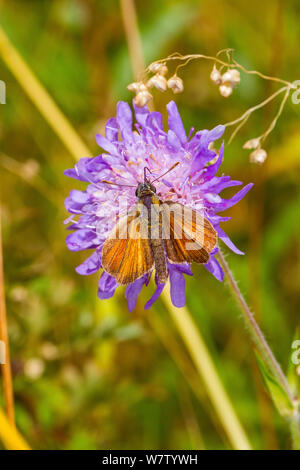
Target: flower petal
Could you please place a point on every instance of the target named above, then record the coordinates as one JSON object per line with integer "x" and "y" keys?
{"x": 173, "y": 140}
{"x": 215, "y": 133}
{"x": 133, "y": 290}
{"x": 175, "y": 122}
{"x": 215, "y": 269}
{"x": 106, "y": 144}
{"x": 76, "y": 200}
{"x": 184, "y": 268}
{"x": 124, "y": 118}
{"x": 81, "y": 240}
{"x": 225, "y": 238}
{"x": 212, "y": 169}
{"x": 107, "y": 286}
{"x": 158, "y": 291}
{"x": 155, "y": 121}
{"x": 226, "y": 203}
{"x": 90, "y": 265}
{"x": 177, "y": 288}
{"x": 112, "y": 130}
{"x": 71, "y": 173}
{"x": 141, "y": 114}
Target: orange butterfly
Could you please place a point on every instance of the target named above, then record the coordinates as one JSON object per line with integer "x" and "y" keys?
{"x": 153, "y": 231}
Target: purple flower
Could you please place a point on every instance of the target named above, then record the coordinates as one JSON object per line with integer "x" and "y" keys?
{"x": 127, "y": 152}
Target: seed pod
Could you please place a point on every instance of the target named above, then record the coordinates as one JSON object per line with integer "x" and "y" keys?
{"x": 134, "y": 87}
{"x": 251, "y": 144}
{"x": 215, "y": 75}
{"x": 142, "y": 98}
{"x": 231, "y": 78}
{"x": 161, "y": 69}
{"x": 258, "y": 156}
{"x": 225, "y": 90}
{"x": 176, "y": 84}
{"x": 158, "y": 81}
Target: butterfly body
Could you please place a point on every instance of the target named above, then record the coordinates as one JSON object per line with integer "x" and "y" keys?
{"x": 152, "y": 232}
{"x": 155, "y": 229}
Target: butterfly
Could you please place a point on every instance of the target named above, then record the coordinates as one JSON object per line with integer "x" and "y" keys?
{"x": 153, "y": 232}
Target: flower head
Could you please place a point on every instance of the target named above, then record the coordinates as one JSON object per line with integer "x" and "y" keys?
{"x": 127, "y": 151}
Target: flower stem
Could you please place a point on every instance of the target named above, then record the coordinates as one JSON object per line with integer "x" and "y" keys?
{"x": 208, "y": 373}
{"x": 256, "y": 333}
{"x": 6, "y": 366}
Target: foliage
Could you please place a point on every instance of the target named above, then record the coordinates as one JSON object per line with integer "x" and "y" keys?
{"x": 87, "y": 374}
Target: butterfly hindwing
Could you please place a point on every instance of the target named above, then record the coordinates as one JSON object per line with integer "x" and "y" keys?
{"x": 189, "y": 237}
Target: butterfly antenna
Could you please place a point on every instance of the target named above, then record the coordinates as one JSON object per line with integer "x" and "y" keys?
{"x": 145, "y": 175}
{"x": 170, "y": 169}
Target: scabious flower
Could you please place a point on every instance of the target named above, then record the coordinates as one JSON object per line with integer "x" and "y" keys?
{"x": 127, "y": 151}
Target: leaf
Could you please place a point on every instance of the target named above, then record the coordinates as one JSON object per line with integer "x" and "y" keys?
{"x": 278, "y": 394}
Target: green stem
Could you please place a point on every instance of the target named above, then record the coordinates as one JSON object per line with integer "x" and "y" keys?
{"x": 265, "y": 352}
{"x": 256, "y": 333}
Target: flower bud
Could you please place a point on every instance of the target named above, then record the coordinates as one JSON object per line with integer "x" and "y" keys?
{"x": 258, "y": 156}
{"x": 215, "y": 75}
{"x": 161, "y": 69}
{"x": 176, "y": 84}
{"x": 251, "y": 144}
{"x": 225, "y": 90}
{"x": 158, "y": 81}
{"x": 231, "y": 78}
{"x": 142, "y": 98}
{"x": 135, "y": 87}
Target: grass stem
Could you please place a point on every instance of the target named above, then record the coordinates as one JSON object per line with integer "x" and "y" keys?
{"x": 6, "y": 366}
{"x": 208, "y": 373}
{"x": 41, "y": 99}
{"x": 10, "y": 437}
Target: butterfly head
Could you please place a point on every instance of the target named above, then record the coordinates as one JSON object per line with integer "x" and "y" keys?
{"x": 145, "y": 189}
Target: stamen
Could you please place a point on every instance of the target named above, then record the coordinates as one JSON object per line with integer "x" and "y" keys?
{"x": 152, "y": 157}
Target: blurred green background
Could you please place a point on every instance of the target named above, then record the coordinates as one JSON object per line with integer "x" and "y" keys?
{"x": 87, "y": 374}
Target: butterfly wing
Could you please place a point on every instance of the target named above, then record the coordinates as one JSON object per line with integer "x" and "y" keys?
{"x": 126, "y": 253}
{"x": 189, "y": 237}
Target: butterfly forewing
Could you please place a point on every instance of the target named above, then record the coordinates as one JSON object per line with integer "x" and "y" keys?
{"x": 126, "y": 253}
